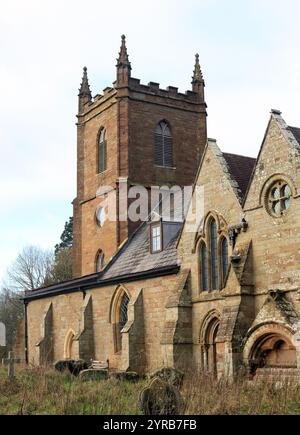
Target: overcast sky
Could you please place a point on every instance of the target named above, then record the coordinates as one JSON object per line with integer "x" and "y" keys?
{"x": 249, "y": 52}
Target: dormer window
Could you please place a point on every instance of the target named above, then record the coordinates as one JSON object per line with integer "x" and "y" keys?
{"x": 156, "y": 238}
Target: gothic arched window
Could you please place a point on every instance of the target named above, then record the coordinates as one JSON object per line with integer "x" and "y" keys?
{"x": 208, "y": 340}
{"x": 203, "y": 264}
{"x": 119, "y": 316}
{"x": 163, "y": 145}
{"x": 213, "y": 254}
{"x": 99, "y": 261}
{"x": 102, "y": 152}
{"x": 124, "y": 311}
{"x": 224, "y": 259}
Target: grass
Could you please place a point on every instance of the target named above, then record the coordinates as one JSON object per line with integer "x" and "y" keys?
{"x": 39, "y": 391}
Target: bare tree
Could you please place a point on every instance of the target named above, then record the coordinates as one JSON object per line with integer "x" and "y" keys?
{"x": 31, "y": 270}
{"x": 11, "y": 313}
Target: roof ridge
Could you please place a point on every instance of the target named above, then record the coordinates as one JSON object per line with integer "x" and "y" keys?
{"x": 239, "y": 155}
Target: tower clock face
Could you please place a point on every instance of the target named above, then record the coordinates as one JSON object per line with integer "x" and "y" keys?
{"x": 100, "y": 216}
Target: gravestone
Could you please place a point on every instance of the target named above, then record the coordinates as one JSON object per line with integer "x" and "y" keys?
{"x": 2, "y": 340}
{"x": 169, "y": 375}
{"x": 2, "y": 335}
{"x": 125, "y": 376}
{"x": 70, "y": 365}
{"x": 93, "y": 375}
{"x": 160, "y": 398}
{"x": 10, "y": 362}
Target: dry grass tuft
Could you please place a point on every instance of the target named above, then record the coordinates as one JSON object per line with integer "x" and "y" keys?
{"x": 42, "y": 391}
{"x": 207, "y": 396}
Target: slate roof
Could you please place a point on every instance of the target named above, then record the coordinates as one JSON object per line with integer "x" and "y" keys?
{"x": 133, "y": 261}
{"x": 240, "y": 168}
{"x": 296, "y": 133}
{"x": 135, "y": 255}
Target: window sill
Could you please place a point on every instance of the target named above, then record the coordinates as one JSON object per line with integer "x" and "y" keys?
{"x": 103, "y": 172}
{"x": 170, "y": 168}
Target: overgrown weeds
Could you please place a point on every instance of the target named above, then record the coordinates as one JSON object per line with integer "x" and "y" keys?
{"x": 42, "y": 391}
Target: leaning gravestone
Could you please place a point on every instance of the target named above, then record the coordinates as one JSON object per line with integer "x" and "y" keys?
{"x": 2, "y": 335}
{"x": 10, "y": 362}
{"x": 70, "y": 365}
{"x": 169, "y": 375}
{"x": 2, "y": 340}
{"x": 125, "y": 376}
{"x": 93, "y": 375}
{"x": 160, "y": 398}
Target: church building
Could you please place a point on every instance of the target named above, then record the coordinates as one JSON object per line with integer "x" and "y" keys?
{"x": 222, "y": 298}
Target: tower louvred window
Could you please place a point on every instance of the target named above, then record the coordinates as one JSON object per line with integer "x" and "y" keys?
{"x": 163, "y": 145}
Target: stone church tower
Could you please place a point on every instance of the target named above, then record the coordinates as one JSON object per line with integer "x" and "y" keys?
{"x": 118, "y": 138}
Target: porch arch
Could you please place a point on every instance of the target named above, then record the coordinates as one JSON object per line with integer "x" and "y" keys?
{"x": 270, "y": 345}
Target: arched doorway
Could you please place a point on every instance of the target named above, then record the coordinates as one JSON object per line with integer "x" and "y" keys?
{"x": 272, "y": 351}
{"x": 209, "y": 332}
{"x": 68, "y": 347}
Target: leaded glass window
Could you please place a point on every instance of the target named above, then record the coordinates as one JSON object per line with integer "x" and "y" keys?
{"x": 224, "y": 258}
{"x": 279, "y": 198}
{"x": 214, "y": 254}
{"x": 203, "y": 272}
{"x": 124, "y": 311}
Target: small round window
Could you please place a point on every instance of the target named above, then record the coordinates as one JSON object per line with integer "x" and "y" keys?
{"x": 100, "y": 216}
{"x": 279, "y": 198}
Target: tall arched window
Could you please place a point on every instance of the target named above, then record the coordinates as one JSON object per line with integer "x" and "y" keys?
{"x": 102, "y": 151}
{"x": 99, "y": 261}
{"x": 119, "y": 316}
{"x": 208, "y": 339}
{"x": 213, "y": 254}
{"x": 203, "y": 264}
{"x": 124, "y": 311}
{"x": 163, "y": 145}
{"x": 224, "y": 259}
